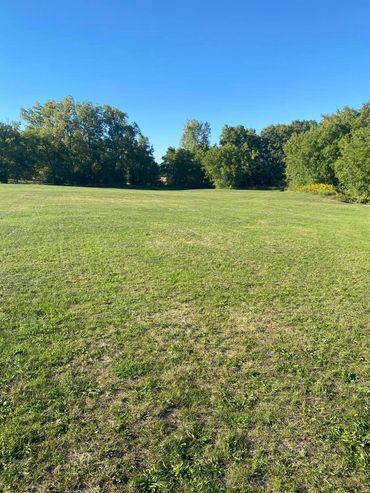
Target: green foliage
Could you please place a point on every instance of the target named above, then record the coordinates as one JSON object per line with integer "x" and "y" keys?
{"x": 142, "y": 169}
{"x": 353, "y": 166}
{"x": 181, "y": 169}
{"x": 230, "y": 166}
{"x": 195, "y": 136}
{"x": 275, "y": 137}
{"x": 79, "y": 143}
{"x": 67, "y": 142}
{"x": 239, "y": 160}
{"x": 323, "y": 153}
{"x": 12, "y": 156}
{"x": 239, "y": 136}
{"x": 310, "y": 156}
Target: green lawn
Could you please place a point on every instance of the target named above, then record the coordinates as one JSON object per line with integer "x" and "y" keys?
{"x": 191, "y": 341}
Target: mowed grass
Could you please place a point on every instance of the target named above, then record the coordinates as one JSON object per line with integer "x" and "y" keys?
{"x": 191, "y": 341}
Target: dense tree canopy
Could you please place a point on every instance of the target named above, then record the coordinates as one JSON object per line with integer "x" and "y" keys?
{"x": 275, "y": 137}
{"x": 65, "y": 142}
{"x": 239, "y": 136}
{"x": 181, "y": 169}
{"x": 353, "y": 167}
{"x": 69, "y": 142}
{"x": 231, "y": 166}
{"x": 10, "y": 152}
{"x": 239, "y": 161}
{"x": 333, "y": 152}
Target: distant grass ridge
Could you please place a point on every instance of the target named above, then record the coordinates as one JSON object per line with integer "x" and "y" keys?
{"x": 183, "y": 341}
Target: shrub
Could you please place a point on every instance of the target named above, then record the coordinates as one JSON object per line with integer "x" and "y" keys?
{"x": 319, "y": 189}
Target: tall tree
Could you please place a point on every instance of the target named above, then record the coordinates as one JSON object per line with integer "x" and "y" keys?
{"x": 181, "y": 169}
{"x": 143, "y": 170}
{"x": 310, "y": 156}
{"x": 274, "y": 138}
{"x": 196, "y": 136}
{"x": 238, "y": 161}
{"x": 353, "y": 166}
{"x": 232, "y": 166}
{"x": 240, "y": 135}
{"x": 13, "y": 165}
{"x": 85, "y": 144}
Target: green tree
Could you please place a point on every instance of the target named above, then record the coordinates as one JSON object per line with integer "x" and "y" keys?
{"x": 239, "y": 135}
{"x": 181, "y": 169}
{"x": 238, "y": 161}
{"x": 232, "y": 166}
{"x": 195, "y": 136}
{"x": 142, "y": 169}
{"x": 353, "y": 167}
{"x": 13, "y": 165}
{"x": 275, "y": 137}
{"x": 85, "y": 144}
{"x": 310, "y": 156}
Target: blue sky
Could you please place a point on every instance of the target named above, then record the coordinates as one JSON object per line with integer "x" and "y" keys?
{"x": 227, "y": 62}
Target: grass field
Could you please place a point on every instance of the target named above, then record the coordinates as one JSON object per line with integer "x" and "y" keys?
{"x": 192, "y": 341}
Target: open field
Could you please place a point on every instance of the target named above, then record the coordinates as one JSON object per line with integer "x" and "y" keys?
{"x": 192, "y": 341}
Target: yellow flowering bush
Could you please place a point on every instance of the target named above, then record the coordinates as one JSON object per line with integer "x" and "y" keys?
{"x": 319, "y": 188}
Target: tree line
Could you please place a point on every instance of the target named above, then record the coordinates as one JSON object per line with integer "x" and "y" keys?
{"x": 67, "y": 142}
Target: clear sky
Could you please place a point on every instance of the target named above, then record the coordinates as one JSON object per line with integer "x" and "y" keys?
{"x": 162, "y": 61}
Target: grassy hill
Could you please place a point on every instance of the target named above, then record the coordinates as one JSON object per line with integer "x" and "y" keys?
{"x": 191, "y": 341}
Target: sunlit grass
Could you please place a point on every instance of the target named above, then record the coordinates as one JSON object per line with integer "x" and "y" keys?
{"x": 199, "y": 341}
